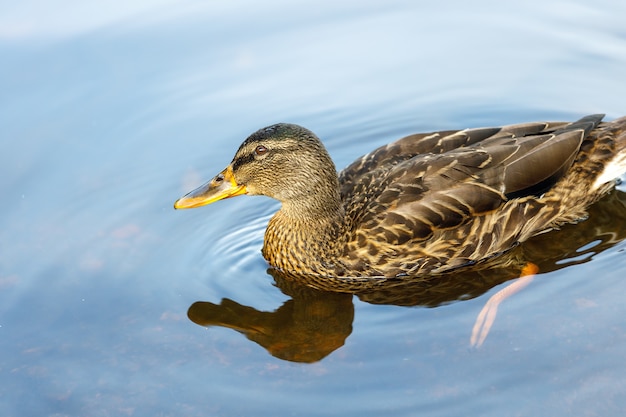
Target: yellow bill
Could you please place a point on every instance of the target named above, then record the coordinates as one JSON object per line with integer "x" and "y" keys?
{"x": 222, "y": 186}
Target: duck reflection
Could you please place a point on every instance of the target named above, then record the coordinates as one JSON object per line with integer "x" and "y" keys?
{"x": 317, "y": 321}
{"x": 306, "y": 328}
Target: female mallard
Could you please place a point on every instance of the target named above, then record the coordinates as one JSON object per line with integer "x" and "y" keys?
{"x": 425, "y": 204}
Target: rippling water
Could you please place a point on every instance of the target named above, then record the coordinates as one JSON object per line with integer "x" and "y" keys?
{"x": 109, "y": 113}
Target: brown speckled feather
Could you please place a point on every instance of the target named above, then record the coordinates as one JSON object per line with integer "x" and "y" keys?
{"x": 425, "y": 204}
{"x": 442, "y": 200}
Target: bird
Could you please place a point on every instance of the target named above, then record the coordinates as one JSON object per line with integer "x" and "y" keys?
{"x": 424, "y": 205}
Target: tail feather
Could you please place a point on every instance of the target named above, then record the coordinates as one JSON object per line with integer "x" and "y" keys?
{"x": 616, "y": 166}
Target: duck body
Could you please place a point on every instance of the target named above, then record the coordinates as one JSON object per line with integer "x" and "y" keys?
{"x": 425, "y": 204}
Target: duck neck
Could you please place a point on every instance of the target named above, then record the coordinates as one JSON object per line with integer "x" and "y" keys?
{"x": 306, "y": 235}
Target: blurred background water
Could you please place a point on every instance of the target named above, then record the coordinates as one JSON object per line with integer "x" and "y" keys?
{"x": 111, "y": 111}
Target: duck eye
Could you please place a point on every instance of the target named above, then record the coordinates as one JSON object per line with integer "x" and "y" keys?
{"x": 260, "y": 150}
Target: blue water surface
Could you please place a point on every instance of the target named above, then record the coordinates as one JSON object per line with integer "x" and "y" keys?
{"x": 109, "y": 112}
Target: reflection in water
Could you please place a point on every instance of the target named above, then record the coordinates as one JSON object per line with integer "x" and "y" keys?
{"x": 304, "y": 329}
{"x": 315, "y": 322}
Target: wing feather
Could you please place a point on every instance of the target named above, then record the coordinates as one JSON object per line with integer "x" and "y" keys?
{"x": 409, "y": 189}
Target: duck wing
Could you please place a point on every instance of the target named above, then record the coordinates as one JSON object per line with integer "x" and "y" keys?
{"x": 411, "y": 188}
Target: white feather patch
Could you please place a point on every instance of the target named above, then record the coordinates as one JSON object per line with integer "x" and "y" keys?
{"x": 611, "y": 171}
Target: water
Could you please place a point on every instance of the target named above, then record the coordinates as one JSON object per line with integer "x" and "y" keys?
{"x": 109, "y": 113}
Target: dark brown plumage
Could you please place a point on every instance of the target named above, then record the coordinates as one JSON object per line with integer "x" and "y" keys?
{"x": 425, "y": 204}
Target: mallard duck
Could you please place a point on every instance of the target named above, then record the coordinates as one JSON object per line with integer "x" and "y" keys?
{"x": 426, "y": 204}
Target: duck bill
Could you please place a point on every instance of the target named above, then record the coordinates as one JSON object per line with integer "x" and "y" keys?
{"x": 222, "y": 186}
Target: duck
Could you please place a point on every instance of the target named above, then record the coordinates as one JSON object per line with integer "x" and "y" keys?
{"x": 424, "y": 205}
